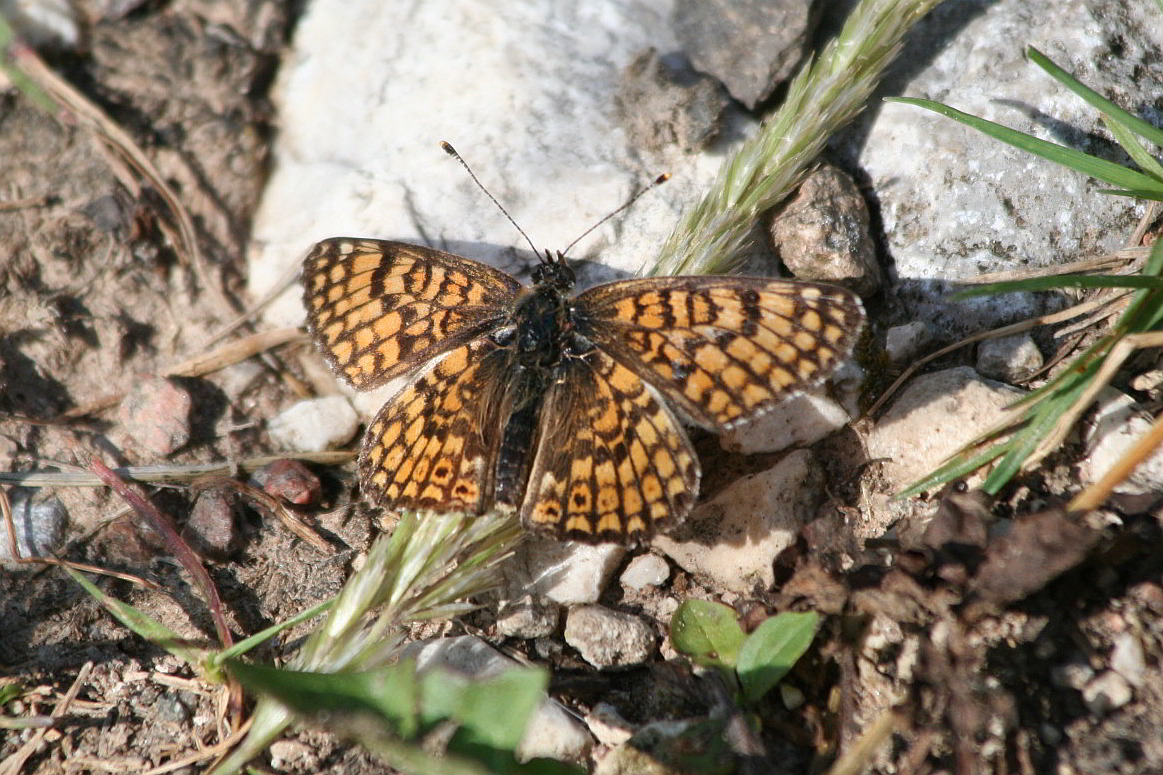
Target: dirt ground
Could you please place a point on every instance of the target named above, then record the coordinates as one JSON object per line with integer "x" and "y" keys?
{"x": 989, "y": 649}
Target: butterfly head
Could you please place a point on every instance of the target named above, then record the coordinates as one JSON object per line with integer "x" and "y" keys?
{"x": 554, "y": 271}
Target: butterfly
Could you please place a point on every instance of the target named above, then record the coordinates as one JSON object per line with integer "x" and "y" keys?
{"x": 568, "y": 408}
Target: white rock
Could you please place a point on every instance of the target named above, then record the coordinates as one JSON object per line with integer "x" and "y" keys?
{"x": 932, "y": 418}
{"x": 607, "y": 638}
{"x": 800, "y": 421}
{"x": 1009, "y": 358}
{"x": 903, "y": 343}
{"x": 954, "y": 202}
{"x": 1127, "y": 658}
{"x": 1108, "y": 691}
{"x": 315, "y": 424}
{"x": 529, "y": 617}
{"x": 291, "y": 754}
{"x": 1114, "y": 429}
{"x": 564, "y": 572}
{"x": 645, "y": 570}
{"x": 732, "y": 539}
{"x": 607, "y": 724}
{"x": 552, "y": 731}
{"x": 524, "y": 90}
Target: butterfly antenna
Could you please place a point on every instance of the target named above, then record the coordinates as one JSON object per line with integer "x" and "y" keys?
{"x": 657, "y": 182}
{"x": 452, "y": 152}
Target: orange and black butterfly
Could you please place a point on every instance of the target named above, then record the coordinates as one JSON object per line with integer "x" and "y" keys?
{"x": 564, "y": 407}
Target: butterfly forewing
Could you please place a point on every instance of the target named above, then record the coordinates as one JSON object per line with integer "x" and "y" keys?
{"x": 723, "y": 349}
{"x": 379, "y": 309}
{"x": 434, "y": 444}
{"x": 612, "y": 462}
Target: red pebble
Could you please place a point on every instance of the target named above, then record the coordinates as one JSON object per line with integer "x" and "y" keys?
{"x": 290, "y": 480}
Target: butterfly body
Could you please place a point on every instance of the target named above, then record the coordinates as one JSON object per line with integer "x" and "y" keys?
{"x": 552, "y": 403}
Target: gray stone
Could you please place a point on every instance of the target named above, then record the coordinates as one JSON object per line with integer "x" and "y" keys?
{"x": 1116, "y": 426}
{"x": 732, "y": 540}
{"x": 955, "y": 203}
{"x": 39, "y": 521}
{"x": 536, "y": 125}
{"x": 904, "y": 343}
{"x": 822, "y": 233}
{"x": 666, "y": 108}
{"x": 749, "y": 45}
{"x": 1010, "y": 359}
{"x": 933, "y": 417}
{"x": 607, "y": 638}
{"x": 801, "y": 420}
{"x": 562, "y": 571}
{"x": 528, "y": 617}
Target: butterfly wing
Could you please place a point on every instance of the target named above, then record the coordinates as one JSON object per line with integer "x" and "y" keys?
{"x": 434, "y": 444}
{"x": 723, "y": 349}
{"x": 612, "y": 461}
{"x": 379, "y": 309}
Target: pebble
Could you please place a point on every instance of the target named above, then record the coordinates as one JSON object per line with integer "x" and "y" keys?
{"x": 39, "y": 522}
{"x": 1127, "y": 658}
{"x": 607, "y": 724}
{"x": 933, "y": 417}
{"x": 1010, "y": 359}
{"x": 210, "y": 526}
{"x": 664, "y": 108}
{"x": 645, "y": 570}
{"x": 732, "y": 540}
{"x": 749, "y": 45}
{"x": 290, "y": 480}
{"x": 800, "y": 421}
{"x": 904, "y": 343}
{"x": 156, "y": 415}
{"x": 607, "y": 638}
{"x": 528, "y": 617}
{"x": 1108, "y": 691}
{"x": 1116, "y": 426}
{"x": 291, "y": 754}
{"x": 567, "y": 573}
{"x": 315, "y": 424}
{"x": 822, "y": 233}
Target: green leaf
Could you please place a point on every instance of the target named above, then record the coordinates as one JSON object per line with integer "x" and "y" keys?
{"x": 391, "y": 693}
{"x": 493, "y": 713}
{"x": 772, "y": 649}
{"x": 1068, "y": 157}
{"x": 707, "y": 632}
{"x": 1063, "y": 281}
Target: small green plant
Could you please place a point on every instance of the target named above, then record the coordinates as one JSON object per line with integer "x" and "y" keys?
{"x": 709, "y": 634}
{"x": 1038, "y": 423}
{"x": 392, "y": 710}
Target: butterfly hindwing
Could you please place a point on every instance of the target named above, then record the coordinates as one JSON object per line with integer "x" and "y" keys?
{"x": 379, "y": 309}
{"x": 434, "y": 444}
{"x": 723, "y": 349}
{"x": 612, "y": 462}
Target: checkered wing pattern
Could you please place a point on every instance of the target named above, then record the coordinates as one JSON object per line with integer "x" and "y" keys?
{"x": 434, "y": 445}
{"x": 612, "y": 462}
{"x": 722, "y": 349}
{"x": 379, "y": 309}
